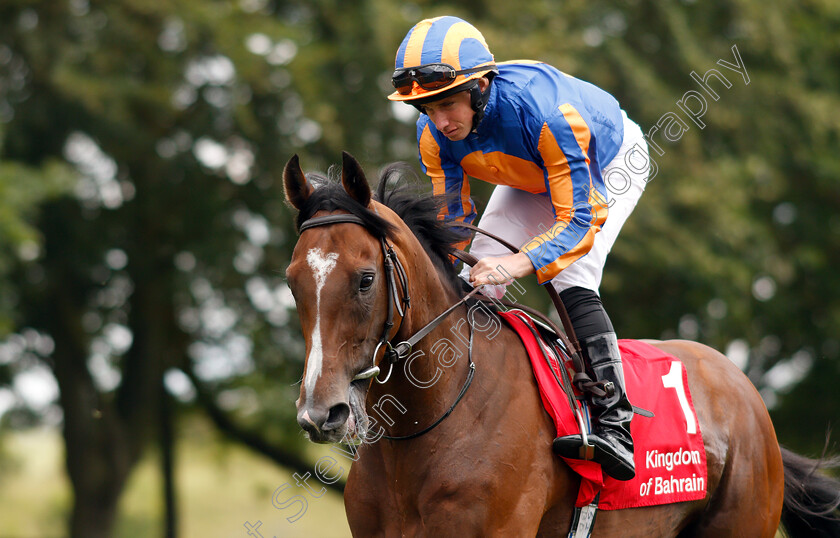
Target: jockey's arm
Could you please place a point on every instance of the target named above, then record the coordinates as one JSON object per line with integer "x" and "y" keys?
{"x": 578, "y": 208}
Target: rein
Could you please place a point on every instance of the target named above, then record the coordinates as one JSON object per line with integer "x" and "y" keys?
{"x": 569, "y": 339}
{"x": 581, "y": 379}
{"x": 394, "y": 271}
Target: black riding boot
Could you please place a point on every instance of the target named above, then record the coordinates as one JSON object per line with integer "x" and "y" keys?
{"x": 611, "y": 435}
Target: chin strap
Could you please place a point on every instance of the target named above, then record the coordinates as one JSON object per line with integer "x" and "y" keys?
{"x": 479, "y": 99}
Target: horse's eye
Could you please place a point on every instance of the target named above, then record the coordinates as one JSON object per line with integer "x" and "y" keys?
{"x": 366, "y": 282}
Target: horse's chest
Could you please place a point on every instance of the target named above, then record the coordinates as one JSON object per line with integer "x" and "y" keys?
{"x": 422, "y": 502}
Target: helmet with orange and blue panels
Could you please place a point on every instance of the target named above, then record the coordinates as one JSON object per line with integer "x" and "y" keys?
{"x": 439, "y": 57}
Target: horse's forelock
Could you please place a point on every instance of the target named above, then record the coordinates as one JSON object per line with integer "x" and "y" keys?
{"x": 331, "y": 196}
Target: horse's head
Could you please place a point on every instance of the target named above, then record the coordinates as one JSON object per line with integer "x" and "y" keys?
{"x": 342, "y": 297}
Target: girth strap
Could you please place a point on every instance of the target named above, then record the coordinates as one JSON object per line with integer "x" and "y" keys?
{"x": 583, "y": 519}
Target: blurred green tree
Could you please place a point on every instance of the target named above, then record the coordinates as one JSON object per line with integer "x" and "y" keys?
{"x": 165, "y": 264}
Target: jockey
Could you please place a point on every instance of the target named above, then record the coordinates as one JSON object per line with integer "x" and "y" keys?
{"x": 569, "y": 167}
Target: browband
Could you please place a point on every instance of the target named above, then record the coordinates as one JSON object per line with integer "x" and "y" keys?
{"x": 330, "y": 219}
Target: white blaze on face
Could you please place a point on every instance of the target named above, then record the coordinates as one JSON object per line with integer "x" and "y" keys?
{"x": 321, "y": 267}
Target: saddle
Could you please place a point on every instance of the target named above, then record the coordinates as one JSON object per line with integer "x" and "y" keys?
{"x": 670, "y": 456}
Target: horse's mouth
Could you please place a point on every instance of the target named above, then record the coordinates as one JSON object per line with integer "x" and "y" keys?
{"x": 358, "y": 422}
{"x": 352, "y": 430}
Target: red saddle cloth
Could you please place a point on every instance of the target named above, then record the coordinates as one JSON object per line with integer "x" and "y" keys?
{"x": 669, "y": 453}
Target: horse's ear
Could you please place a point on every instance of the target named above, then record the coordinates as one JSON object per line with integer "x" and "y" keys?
{"x": 353, "y": 179}
{"x": 295, "y": 184}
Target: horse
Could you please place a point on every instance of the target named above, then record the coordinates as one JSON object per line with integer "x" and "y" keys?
{"x": 456, "y": 443}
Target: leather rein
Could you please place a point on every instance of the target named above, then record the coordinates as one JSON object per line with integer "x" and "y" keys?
{"x": 581, "y": 379}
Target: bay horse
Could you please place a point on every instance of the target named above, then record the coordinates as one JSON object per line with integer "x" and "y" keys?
{"x": 366, "y": 273}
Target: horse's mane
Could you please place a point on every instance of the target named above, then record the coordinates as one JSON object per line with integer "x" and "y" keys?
{"x": 419, "y": 211}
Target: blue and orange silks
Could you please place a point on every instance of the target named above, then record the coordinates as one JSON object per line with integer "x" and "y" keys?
{"x": 544, "y": 132}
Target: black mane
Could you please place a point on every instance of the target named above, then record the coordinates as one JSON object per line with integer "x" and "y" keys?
{"x": 417, "y": 209}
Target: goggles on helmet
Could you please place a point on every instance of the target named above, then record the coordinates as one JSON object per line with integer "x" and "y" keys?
{"x": 428, "y": 76}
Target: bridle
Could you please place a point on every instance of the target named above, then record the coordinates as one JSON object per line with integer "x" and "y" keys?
{"x": 394, "y": 272}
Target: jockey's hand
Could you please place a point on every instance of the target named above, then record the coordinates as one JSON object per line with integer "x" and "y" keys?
{"x": 501, "y": 269}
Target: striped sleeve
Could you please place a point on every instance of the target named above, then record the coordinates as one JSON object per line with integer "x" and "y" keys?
{"x": 448, "y": 181}
{"x": 579, "y": 209}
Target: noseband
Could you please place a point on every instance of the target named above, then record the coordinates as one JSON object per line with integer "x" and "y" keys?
{"x": 393, "y": 271}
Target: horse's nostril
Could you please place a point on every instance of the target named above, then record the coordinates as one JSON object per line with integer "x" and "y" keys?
{"x": 338, "y": 415}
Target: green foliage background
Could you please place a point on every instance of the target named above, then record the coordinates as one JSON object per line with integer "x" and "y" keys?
{"x": 143, "y": 233}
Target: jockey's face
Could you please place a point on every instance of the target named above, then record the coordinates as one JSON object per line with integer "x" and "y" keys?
{"x": 453, "y": 115}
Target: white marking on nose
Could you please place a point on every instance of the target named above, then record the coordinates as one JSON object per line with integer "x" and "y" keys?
{"x": 308, "y": 419}
{"x": 321, "y": 266}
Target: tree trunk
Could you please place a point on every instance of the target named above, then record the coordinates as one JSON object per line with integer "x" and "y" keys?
{"x": 167, "y": 456}
{"x": 94, "y": 508}
{"x": 106, "y": 432}
{"x": 98, "y": 453}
